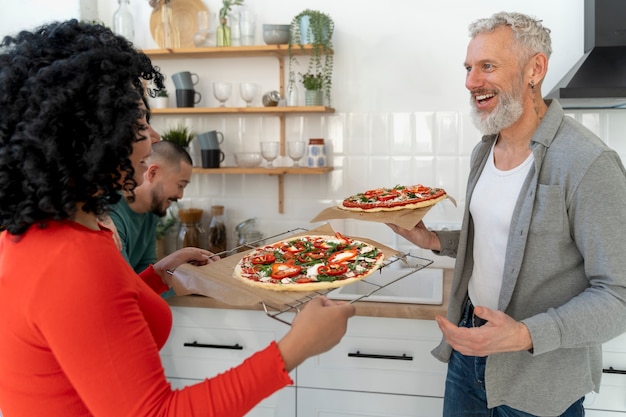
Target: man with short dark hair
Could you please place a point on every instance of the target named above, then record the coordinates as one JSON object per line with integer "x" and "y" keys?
{"x": 169, "y": 172}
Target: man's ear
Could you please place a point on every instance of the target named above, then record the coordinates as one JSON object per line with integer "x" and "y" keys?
{"x": 151, "y": 173}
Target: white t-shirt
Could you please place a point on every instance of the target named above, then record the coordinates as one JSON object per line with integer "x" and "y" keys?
{"x": 492, "y": 205}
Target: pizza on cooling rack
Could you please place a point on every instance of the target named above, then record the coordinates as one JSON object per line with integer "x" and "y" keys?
{"x": 309, "y": 263}
{"x": 399, "y": 197}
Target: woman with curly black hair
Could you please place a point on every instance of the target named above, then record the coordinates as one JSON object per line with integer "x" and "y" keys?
{"x": 80, "y": 330}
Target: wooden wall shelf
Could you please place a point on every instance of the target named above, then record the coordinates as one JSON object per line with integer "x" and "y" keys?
{"x": 244, "y": 110}
{"x": 254, "y": 51}
{"x": 280, "y": 52}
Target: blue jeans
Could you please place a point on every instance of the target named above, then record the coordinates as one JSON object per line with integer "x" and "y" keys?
{"x": 465, "y": 394}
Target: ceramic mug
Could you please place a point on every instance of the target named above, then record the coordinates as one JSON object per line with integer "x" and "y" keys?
{"x": 187, "y": 98}
{"x": 211, "y": 139}
{"x": 184, "y": 80}
{"x": 211, "y": 158}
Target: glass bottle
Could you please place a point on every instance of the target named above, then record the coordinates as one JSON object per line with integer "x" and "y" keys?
{"x": 217, "y": 231}
{"x": 223, "y": 33}
{"x": 191, "y": 232}
{"x": 123, "y": 22}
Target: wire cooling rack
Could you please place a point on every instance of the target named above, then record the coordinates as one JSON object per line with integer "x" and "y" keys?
{"x": 415, "y": 263}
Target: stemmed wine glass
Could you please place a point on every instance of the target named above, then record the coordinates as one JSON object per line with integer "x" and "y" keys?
{"x": 295, "y": 150}
{"x": 222, "y": 92}
{"x": 248, "y": 92}
{"x": 269, "y": 152}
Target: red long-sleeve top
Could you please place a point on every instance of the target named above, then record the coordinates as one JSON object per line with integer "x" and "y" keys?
{"x": 80, "y": 334}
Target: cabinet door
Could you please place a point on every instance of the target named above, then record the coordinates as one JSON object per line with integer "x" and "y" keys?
{"x": 380, "y": 355}
{"x": 612, "y": 395}
{"x": 281, "y": 404}
{"x": 205, "y": 342}
{"x": 327, "y": 403}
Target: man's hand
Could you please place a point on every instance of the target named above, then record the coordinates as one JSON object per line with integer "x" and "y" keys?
{"x": 192, "y": 255}
{"x": 500, "y": 334}
{"x": 419, "y": 235}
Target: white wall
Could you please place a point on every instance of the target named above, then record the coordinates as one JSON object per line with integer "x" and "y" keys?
{"x": 386, "y": 50}
{"x": 400, "y": 100}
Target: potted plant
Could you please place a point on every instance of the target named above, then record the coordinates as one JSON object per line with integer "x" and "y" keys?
{"x": 223, "y": 30}
{"x": 312, "y": 27}
{"x": 162, "y": 99}
{"x": 180, "y": 135}
{"x": 314, "y": 84}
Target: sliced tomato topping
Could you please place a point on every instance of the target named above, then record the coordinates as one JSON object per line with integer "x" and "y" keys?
{"x": 322, "y": 244}
{"x": 307, "y": 257}
{"x": 375, "y": 192}
{"x": 333, "y": 269}
{"x": 266, "y": 258}
{"x": 343, "y": 256}
{"x": 388, "y": 196}
{"x": 293, "y": 247}
{"x": 282, "y": 270}
{"x": 303, "y": 280}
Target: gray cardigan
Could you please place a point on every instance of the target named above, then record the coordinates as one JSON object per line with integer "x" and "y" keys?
{"x": 565, "y": 269}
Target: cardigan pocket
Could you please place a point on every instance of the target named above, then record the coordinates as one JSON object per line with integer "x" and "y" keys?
{"x": 549, "y": 211}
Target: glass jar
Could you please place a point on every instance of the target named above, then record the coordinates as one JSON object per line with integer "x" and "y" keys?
{"x": 191, "y": 232}
{"x": 123, "y": 22}
{"x": 217, "y": 231}
{"x": 249, "y": 237}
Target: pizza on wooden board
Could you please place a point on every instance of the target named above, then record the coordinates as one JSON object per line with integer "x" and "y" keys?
{"x": 400, "y": 197}
{"x": 309, "y": 263}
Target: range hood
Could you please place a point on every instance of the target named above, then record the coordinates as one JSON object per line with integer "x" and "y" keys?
{"x": 598, "y": 80}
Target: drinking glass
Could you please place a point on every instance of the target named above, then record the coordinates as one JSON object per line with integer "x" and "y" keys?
{"x": 269, "y": 152}
{"x": 248, "y": 92}
{"x": 295, "y": 150}
{"x": 222, "y": 92}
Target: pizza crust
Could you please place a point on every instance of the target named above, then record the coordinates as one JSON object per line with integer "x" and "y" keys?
{"x": 308, "y": 286}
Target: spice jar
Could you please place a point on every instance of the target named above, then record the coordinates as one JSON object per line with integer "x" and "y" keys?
{"x": 191, "y": 232}
{"x": 316, "y": 153}
{"x": 217, "y": 231}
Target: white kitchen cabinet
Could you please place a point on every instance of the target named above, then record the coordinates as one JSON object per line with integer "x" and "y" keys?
{"x": 314, "y": 402}
{"x": 205, "y": 342}
{"x": 382, "y": 365}
{"x": 383, "y": 355}
{"x": 611, "y": 400}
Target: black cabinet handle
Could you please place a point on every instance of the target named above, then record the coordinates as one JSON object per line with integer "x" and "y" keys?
{"x": 611, "y": 370}
{"x": 204, "y": 345}
{"x": 358, "y": 354}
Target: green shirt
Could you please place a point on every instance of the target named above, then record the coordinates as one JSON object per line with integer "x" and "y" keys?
{"x": 137, "y": 232}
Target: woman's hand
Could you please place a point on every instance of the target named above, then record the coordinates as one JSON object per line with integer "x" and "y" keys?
{"x": 316, "y": 329}
{"x": 192, "y": 255}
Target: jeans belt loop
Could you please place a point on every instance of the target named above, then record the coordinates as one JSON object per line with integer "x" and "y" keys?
{"x": 476, "y": 321}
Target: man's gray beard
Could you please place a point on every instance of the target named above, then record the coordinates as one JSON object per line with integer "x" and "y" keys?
{"x": 507, "y": 112}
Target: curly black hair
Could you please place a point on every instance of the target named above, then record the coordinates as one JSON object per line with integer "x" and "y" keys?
{"x": 69, "y": 95}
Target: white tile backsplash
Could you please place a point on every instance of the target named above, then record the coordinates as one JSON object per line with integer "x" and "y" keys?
{"x": 366, "y": 150}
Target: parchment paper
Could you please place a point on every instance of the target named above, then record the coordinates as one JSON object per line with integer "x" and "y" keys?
{"x": 406, "y": 218}
{"x": 216, "y": 279}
